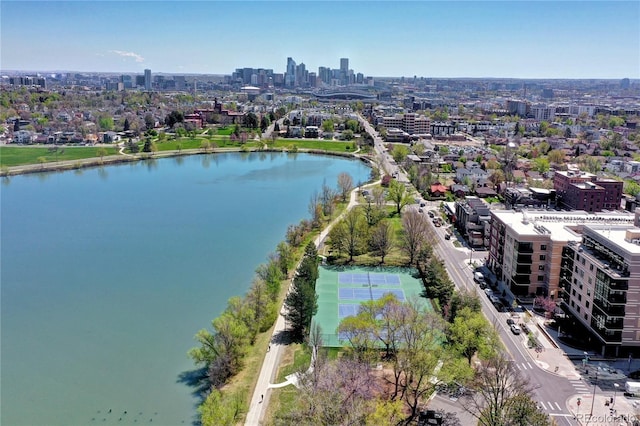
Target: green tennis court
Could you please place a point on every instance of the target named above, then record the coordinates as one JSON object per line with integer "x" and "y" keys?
{"x": 341, "y": 290}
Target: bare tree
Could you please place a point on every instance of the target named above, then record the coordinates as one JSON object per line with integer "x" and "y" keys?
{"x": 345, "y": 185}
{"x": 327, "y": 198}
{"x": 315, "y": 209}
{"x": 378, "y": 196}
{"x": 381, "y": 240}
{"x": 340, "y": 394}
{"x": 350, "y": 235}
{"x": 415, "y": 233}
{"x": 500, "y": 395}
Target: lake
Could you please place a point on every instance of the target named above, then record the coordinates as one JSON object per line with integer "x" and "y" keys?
{"x": 108, "y": 273}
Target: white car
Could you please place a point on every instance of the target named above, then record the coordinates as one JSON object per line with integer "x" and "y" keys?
{"x": 515, "y": 329}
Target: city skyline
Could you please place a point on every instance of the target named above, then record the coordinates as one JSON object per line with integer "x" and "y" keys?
{"x": 540, "y": 39}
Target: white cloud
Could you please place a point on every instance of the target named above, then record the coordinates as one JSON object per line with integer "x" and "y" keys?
{"x": 137, "y": 57}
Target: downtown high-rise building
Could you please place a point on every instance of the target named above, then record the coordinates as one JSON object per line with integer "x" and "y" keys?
{"x": 290, "y": 75}
{"x": 147, "y": 79}
{"x": 344, "y": 65}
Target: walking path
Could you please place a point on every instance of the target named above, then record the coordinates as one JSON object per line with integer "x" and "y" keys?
{"x": 261, "y": 394}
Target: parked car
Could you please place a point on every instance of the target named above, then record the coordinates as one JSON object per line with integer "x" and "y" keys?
{"x": 515, "y": 329}
{"x": 478, "y": 277}
{"x": 510, "y": 321}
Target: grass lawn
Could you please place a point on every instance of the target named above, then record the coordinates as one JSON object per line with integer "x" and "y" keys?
{"x": 333, "y": 146}
{"x": 295, "y": 358}
{"x": 195, "y": 143}
{"x": 21, "y": 155}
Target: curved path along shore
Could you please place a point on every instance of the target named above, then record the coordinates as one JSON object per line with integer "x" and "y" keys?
{"x": 261, "y": 393}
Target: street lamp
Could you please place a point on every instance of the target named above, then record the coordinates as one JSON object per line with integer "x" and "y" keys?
{"x": 585, "y": 361}
{"x": 615, "y": 391}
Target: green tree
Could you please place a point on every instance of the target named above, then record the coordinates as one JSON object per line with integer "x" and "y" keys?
{"x": 327, "y": 126}
{"x": 399, "y": 153}
{"x": 101, "y": 152}
{"x": 285, "y": 257}
{"x": 399, "y": 195}
{"x": 631, "y": 187}
{"x": 469, "y": 333}
{"x": 223, "y": 350}
{"x": 251, "y": 120}
{"x": 461, "y": 300}
{"x": 593, "y": 165}
{"x": 126, "y": 125}
{"x": 149, "y": 146}
{"x": 271, "y": 274}
{"x": 105, "y": 123}
{"x": 353, "y": 125}
{"x": 264, "y": 123}
{"x": 205, "y": 145}
{"x": 220, "y": 409}
{"x": 437, "y": 283}
{"x": 301, "y": 301}
{"x": 556, "y": 156}
{"x": 149, "y": 121}
{"x": 541, "y": 164}
{"x": 259, "y": 301}
{"x": 173, "y": 118}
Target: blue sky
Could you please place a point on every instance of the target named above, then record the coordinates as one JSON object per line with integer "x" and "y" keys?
{"x": 538, "y": 39}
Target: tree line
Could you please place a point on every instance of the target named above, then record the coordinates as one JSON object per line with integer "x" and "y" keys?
{"x": 222, "y": 349}
{"x": 422, "y": 352}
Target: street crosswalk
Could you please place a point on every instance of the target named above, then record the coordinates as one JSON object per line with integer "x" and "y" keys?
{"x": 549, "y": 406}
{"x": 524, "y": 366}
{"x": 580, "y": 386}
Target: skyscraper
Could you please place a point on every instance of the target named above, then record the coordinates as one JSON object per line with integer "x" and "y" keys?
{"x": 344, "y": 65}
{"x": 344, "y": 71}
{"x": 290, "y": 76}
{"x": 147, "y": 79}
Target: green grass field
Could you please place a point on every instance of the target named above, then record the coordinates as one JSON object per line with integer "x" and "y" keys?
{"x": 22, "y": 155}
{"x": 332, "y": 146}
{"x": 195, "y": 143}
{"x": 11, "y": 156}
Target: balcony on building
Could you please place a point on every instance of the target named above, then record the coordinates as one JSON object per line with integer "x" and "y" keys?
{"x": 608, "y": 309}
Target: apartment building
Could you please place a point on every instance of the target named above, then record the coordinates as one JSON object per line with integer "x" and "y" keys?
{"x": 600, "y": 285}
{"x": 410, "y": 123}
{"x": 526, "y": 247}
{"x": 579, "y": 190}
{"x": 473, "y": 220}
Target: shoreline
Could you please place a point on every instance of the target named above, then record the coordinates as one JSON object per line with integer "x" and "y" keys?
{"x": 68, "y": 165}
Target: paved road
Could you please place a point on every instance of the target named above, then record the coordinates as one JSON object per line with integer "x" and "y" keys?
{"x": 552, "y": 391}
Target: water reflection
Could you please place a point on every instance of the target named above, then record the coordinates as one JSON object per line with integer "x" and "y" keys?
{"x": 103, "y": 173}
{"x": 152, "y": 164}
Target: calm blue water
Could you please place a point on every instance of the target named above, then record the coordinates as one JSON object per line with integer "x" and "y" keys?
{"x": 107, "y": 274}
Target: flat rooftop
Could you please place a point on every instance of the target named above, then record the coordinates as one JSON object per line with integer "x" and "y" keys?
{"x": 557, "y": 223}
